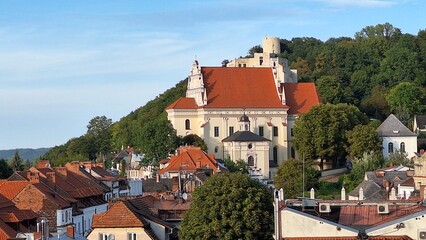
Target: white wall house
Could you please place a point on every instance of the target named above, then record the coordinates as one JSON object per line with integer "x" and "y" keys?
{"x": 397, "y": 137}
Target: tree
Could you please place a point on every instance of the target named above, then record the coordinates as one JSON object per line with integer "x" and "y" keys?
{"x": 158, "y": 139}
{"x": 362, "y": 139}
{"x": 17, "y": 163}
{"x": 194, "y": 140}
{"x": 321, "y": 132}
{"x": 255, "y": 49}
{"x": 99, "y": 129}
{"x": 376, "y": 105}
{"x": 330, "y": 89}
{"x": 406, "y": 98}
{"x": 290, "y": 178}
{"x": 5, "y": 170}
{"x": 238, "y": 166}
{"x": 385, "y": 30}
{"x": 229, "y": 206}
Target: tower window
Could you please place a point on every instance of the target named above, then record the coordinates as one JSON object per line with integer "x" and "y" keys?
{"x": 216, "y": 131}
{"x": 291, "y": 132}
{"x": 187, "y": 124}
{"x": 292, "y": 153}
{"x": 275, "y": 131}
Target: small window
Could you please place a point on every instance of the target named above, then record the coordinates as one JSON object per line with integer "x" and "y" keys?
{"x": 292, "y": 153}
{"x": 250, "y": 146}
{"x": 250, "y": 161}
{"x": 390, "y": 147}
{"x": 291, "y": 132}
{"x": 216, "y": 149}
{"x": 275, "y": 155}
{"x": 216, "y": 131}
{"x": 261, "y": 131}
{"x": 275, "y": 129}
{"x": 131, "y": 236}
{"x": 187, "y": 124}
{"x": 402, "y": 147}
{"x": 260, "y": 61}
{"x": 231, "y": 131}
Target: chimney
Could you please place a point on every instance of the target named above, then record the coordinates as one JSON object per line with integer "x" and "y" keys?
{"x": 380, "y": 173}
{"x": 392, "y": 195}
{"x": 361, "y": 194}
{"x": 70, "y": 231}
{"x": 386, "y": 184}
{"x": 312, "y": 195}
{"x": 343, "y": 194}
{"x": 43, "y": 164}
{"x": 87, "y": 165}
{"x": 62, "y": 171}
{"x": 73, "y": 166}
{"x": 51, "y": 179}
{"x": 33, "y": 177}
{"x": 158, "y": 177}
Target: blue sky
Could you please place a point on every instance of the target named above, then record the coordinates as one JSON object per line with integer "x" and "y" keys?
{"x": 64, "y": 62}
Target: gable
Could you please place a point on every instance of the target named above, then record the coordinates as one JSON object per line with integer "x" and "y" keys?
{"x": 392, "y": 127}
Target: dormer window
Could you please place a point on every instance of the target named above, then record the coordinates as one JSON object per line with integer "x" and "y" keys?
{"x": 395, "y": 131}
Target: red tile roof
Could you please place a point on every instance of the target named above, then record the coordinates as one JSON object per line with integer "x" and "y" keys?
{"x": 404, "y": 237}
{"x": 6, "y": 232}
{"x": 119, "y": 215}
{"x": 354, "y": 215}
{"x": 190, "y": 159}
{"x": 240, "y": 88}
{"x": 10, "y": 189}
{"x": 183, "y": 103}
{"x": 300, "y": 97}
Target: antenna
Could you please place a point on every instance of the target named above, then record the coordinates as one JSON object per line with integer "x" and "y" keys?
{"x": 303, "y": 175}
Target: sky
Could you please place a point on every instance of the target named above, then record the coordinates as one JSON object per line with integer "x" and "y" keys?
{"x": 64, "y": 62}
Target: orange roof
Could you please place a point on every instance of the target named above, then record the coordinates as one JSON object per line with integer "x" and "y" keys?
{"x": 119, "y": 215}
{"x": 183, "y": 103}
{"x": 240, "y": 88}
{"x": 387, "y": 237}
{"x": 190, "y": 159}
{"x": 366, "y": 215}
{"x": 300, "y": 97}
{"x": 10, "y": 189}
{"x": 6, "y": 232}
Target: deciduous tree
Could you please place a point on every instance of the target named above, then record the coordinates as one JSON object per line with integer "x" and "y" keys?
{"x": 363, "y": 139}
{"x": 229, "y": 206}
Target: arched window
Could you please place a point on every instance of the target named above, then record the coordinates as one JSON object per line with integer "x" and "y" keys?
{"x": 250, "y": 161}
{"x": 187, "y": 124}
{"x": 292, "y": 153}
{"x": 275, "y": 155}
{"x": 216, "y": 149}
{"x": 390, "y": 147}
{"x": 402, "y": 147}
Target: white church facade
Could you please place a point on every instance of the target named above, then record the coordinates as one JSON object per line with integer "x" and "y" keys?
{"x": 264, "y": 90}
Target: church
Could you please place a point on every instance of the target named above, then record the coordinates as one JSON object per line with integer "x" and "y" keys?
{"x": 245, "y": 110}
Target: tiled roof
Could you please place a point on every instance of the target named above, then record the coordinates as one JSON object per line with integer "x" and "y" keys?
{"x": 371, "y": 190}
{"x": 119, "y": 215}
{"x": 392, "y": 127}
{"x": 10, "y": 189}
{"x": 190, "y": 159}
{"x": 229, "y": 87}
{"x": 366, "y": 215}
{"x": 245, "y": 136}
{"x": 6, "y": 232}
{"x": 151, "y": 185}
{"x": 183, "y": 103}
{"x": 300, "y": 97}
{"x": 17, "y": 216}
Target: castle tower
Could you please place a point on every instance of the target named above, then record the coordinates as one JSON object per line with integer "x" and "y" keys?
{"x": 271, "y": 45}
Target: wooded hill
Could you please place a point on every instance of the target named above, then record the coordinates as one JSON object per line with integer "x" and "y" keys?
{"x": 380, "y": 70}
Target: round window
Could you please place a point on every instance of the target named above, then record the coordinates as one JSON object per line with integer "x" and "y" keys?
{"x": 250, "y": 146}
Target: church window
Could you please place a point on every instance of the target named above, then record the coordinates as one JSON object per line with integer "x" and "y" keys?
{"x": 261, "y": 131}
{"x": 275, "y": 131}
{"x": 250, "y": 161}
{"x": 216, "y": 131}
{"x": 402, "y": 147}
{"x": 275, "y": 155}
{"x": 187, "y": 124}
{"x": 250, "y": 146}
{"x": 231, "y": 131}
{"x": 390, "y": 147}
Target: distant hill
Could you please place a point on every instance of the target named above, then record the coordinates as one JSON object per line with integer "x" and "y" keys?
{"x": 25, "y": 153}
